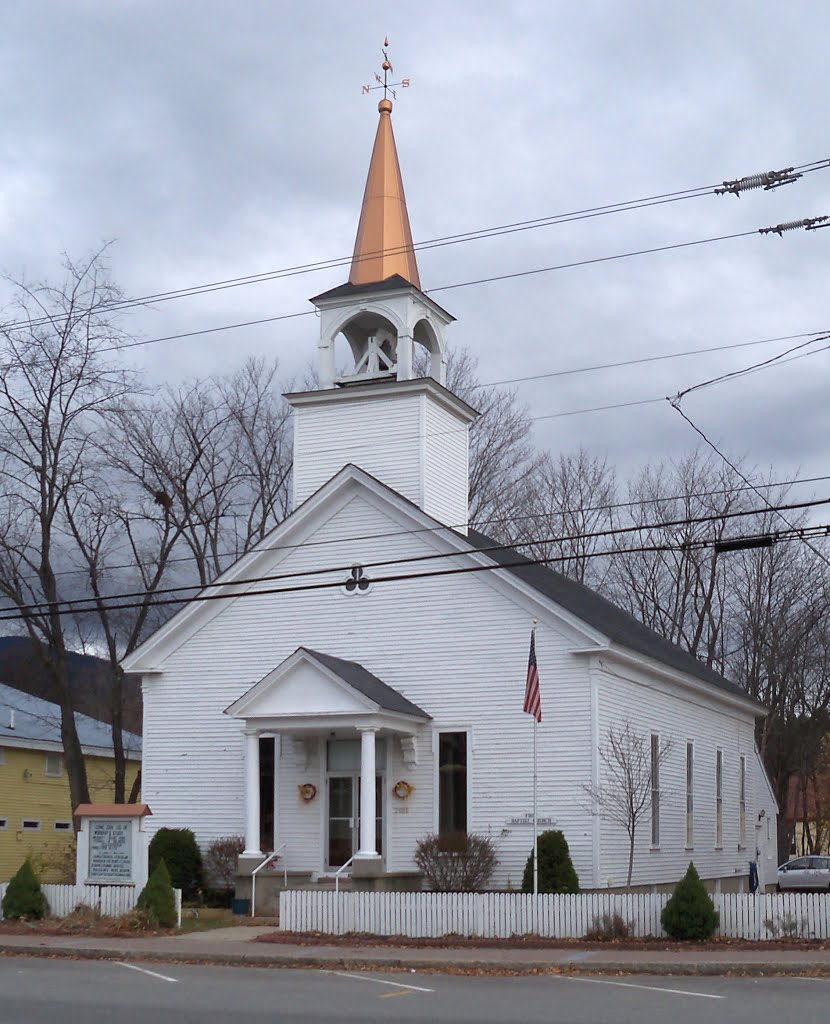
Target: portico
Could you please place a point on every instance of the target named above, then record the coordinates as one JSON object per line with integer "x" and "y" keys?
{"x": 349, "y": 718}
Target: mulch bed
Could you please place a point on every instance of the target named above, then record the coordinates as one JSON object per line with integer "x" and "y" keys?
{"x": 529, "y": 942}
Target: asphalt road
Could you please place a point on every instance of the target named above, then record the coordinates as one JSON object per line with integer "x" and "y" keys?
{"x": 36, "y": 991}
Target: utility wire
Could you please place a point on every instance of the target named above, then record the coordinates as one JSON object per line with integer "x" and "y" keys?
{"x": 94, "y": 602}
{"x": 736, "y": 187}
{"x": 524, "y": 517}
{"x": 521, "y": 562}
{"x": 675, "y": 404}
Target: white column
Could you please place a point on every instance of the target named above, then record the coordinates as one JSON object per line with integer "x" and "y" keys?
{"x": 404, "y": 356}
{"x": 367, "y": 794}
{"x": 326, "y": 362}
{"x": 252, "y": 796}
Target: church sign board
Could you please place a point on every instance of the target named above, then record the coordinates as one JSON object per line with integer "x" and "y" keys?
{"x": 112, "y": 844}
{"x": 110, "y": 850}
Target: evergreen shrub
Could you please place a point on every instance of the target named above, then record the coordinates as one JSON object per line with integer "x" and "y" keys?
{"x": 690, "y": 913}
{"x": 157, "y": 898}
{"x": 556, "y": 870}
{"x": 178, "y": 848}
{"x": 24, "y": 897}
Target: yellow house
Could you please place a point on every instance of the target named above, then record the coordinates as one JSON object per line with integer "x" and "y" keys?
{"x": 35, "y": 809}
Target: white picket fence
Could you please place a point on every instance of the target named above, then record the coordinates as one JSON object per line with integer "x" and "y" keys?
{"x": 502, "y": 915}
{"x": 110, "y": 900}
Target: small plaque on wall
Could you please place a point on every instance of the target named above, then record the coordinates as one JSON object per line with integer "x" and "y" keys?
{"x": 110, "y": 850}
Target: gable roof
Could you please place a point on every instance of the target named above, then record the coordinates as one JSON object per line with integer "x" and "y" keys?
{"x": 361, "y": 679}
{"x": 39, "y": 721}
{"x": 607, "y": 618}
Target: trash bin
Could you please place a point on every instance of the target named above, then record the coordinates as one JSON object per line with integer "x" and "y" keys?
{"x": 241, "y": 907}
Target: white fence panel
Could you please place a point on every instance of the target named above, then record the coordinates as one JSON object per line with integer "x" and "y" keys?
{"x": 109, "y": 900}
{"x": 502, "y": 915}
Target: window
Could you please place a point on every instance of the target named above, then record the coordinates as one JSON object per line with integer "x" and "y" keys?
{"x": 719, "y": 799}
{"x": 690, "y": 794}
{"x": 452, "y": 782}
{"x": 358, "y": 582}
{"x": 30, "y": 825}
{"x": 4, "y": 823}
{"x": 54, "y": 765}
{"x": 742, "y": 802}
{"x": 63, "y": 826}
{"x": 655, "y": 790}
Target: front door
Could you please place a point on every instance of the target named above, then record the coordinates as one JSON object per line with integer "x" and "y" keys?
{"x": 344, "y": 818}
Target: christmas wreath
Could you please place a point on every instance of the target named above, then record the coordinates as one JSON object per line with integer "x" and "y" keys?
{"x": 307, "y": 791}
{"x": 401, "y": 790}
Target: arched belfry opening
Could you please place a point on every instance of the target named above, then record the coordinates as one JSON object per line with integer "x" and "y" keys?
{"x": 384, "y": 338}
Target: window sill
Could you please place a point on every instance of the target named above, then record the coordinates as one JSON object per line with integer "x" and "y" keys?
{"x": 718, "y": 849}
{"x": 689, "y": 849}
{"x": 654, "y": 849}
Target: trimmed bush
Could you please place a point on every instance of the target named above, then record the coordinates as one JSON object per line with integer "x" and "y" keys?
{"x": 24, "y": 899}
{"x": 456, "y": 862}
{"x": 178, "y": 849}
{"x": 556, "y": 870}
{"x": 157, "y": 898}
{"x": 690, "y": 913}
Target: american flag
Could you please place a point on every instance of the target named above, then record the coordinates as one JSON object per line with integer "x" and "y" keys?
{"x": 533, "y": 698}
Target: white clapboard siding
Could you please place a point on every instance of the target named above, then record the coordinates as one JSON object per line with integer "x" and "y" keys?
{"x": 502, "y": 915}
{"x": 110, "y": 900}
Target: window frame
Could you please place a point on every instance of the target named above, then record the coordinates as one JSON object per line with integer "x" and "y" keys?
{"x": 690, "y": 794}
{"x": 742, "y": 802}
{"x": 437, "y": 733}
{"x": 62, "y": 826}
{"x": 719, "y": 798}
{"x": 61, "y": 769}
{"x": 4, "y": 824}
{"x": 30, "y": 825}
{"x": 654, "y": 753}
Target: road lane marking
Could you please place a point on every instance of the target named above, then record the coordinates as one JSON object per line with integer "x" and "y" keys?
{"x": 153, "y": 974}
{"x": 646, "y": 988}
{"x": 378, "y": 981}
{"x": 396, "y": 995}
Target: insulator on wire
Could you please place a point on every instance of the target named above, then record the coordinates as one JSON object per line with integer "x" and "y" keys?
{"x": 808, "y": 223}
{"x": 767, "y": 181}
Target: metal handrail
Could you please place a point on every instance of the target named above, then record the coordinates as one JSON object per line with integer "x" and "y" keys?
{"x": 271, "y": 856}
{"x": 338, "y": 872}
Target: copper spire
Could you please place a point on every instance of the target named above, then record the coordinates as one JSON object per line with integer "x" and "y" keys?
{"x": 383, "y": 246}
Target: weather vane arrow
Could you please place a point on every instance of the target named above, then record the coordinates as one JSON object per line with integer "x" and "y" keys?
{"x": 384, "y": 83}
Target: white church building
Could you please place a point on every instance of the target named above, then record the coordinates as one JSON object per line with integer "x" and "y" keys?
{"x": 360, "y": 683}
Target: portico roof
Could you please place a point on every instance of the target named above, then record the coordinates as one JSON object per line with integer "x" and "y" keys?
{"x": 310, "y": 690}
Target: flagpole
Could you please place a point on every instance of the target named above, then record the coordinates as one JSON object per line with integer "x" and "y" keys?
{"x": 535, "y": 798}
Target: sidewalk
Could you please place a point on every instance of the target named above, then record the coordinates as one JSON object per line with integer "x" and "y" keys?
{"x": 236, "y": 946}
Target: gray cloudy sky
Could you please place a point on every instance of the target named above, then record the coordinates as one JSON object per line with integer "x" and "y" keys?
{"x": 216, "y": 139}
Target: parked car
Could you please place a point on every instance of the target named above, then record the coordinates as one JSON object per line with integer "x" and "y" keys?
{"x": 805, "y": 873}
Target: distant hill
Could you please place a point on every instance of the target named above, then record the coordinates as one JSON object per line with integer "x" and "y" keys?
{"x": 89, "y": 677}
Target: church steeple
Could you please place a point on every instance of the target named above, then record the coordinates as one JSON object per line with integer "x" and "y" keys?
{"x": 383, "y": 246}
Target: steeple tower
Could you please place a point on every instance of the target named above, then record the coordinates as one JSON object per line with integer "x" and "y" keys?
{"x": 382, "y": 311}
{"x": 380, "y": 413}
{"x": 383, "y": 247}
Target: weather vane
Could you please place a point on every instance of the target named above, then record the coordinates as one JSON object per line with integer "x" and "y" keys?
{"x": 384, "y": 83}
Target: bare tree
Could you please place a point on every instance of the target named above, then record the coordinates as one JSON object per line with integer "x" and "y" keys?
{"x": 630, "y": 766}
{"x": 55, "y": 390}
{"x": 216, "y": 456}
{"x": 561, "y": 505}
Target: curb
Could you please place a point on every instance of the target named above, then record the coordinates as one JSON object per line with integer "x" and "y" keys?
{"x": 680, "y": 969}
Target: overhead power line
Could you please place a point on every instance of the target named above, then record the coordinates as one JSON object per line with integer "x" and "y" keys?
{"x": 235, "y": 554}
{"x": 520, "y": 562}
{"x": 476, "y": 234}
{"x": 90, "y": 604}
